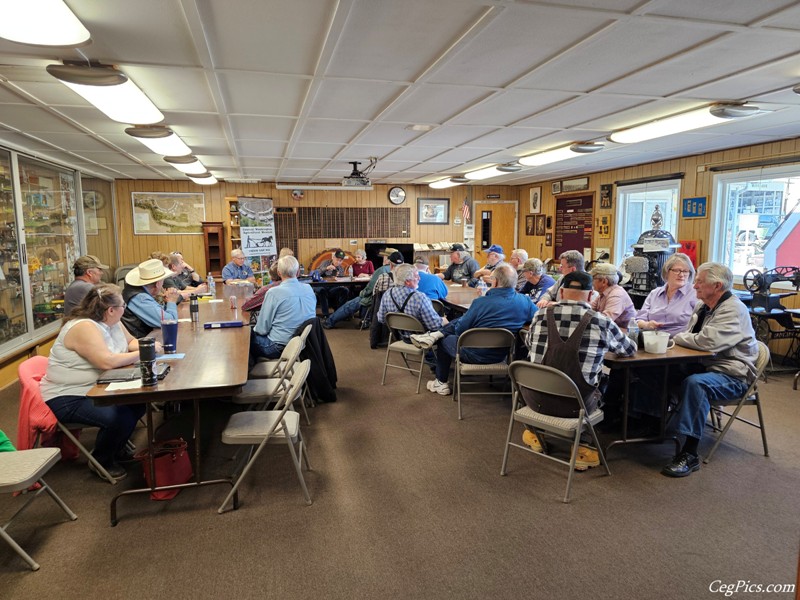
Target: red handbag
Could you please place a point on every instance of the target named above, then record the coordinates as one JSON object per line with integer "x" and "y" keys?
{"x": 172, "y": 466}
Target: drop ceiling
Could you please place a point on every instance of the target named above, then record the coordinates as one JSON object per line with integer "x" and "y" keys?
{"x": 292, "y": 90}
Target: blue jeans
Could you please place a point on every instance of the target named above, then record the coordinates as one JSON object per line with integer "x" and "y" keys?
{"x": 446, "y": 351}
{"x": 116, "y": 423}
{"x": 261, "y": 345}
{"x": 698, "y": 393}
{"x": 348, "y": 309}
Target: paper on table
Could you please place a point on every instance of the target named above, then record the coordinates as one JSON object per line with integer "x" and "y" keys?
{"x": 186, "y": 320}
{"x": 217, "y": 300}
{"x": 177, "y": 356}
{"x": 124, "y": 385}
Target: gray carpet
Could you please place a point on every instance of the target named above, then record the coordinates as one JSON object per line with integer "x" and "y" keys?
{"x": 409, "y": 503}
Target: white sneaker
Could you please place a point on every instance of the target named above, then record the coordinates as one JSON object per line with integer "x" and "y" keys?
{"x": 425, "y": 341}
{"x": 434, "y": 385}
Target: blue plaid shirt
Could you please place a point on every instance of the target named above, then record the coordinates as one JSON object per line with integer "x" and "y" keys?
{"x": 603, "y": 336}
{"x": 419, "y": 306}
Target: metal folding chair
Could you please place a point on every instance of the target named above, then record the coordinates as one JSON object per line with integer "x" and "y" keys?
{"x": 397, "y": 322}
{"x": 482, "y": 338}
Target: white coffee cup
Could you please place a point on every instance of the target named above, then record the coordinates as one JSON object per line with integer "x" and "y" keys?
{"x": 657, "y": 342}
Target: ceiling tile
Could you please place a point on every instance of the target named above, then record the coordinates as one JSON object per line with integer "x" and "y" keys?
{"x": 262, "y": 94}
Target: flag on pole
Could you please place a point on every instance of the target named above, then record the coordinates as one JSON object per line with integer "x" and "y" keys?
{"x": 465, "y": 211}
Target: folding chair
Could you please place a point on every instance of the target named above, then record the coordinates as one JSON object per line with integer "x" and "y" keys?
{"x": 264, "y": 390}
{"x": 438, "y": 306}
{"x": 397, "y": 322}
{"x": 750, "y": 397}
{"x": 18, "y": 472}
{"x": 39, "y": 414}
{"x": 547, "y": 380}
{"x": 261, "y": 427}
{"x": 482, "y": 338}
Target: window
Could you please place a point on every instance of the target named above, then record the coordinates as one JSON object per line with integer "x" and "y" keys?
{"x": 637, "y": 203}
{"x": 755, "y": 219}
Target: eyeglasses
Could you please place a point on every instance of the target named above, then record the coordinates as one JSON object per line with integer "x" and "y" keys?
{"x": 122, "y": 306}
{"x": 679, "y": 271}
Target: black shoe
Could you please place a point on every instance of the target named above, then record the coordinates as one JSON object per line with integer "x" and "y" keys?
{"x": 126, "y": 456}
{"x": 682, "y": 465}
{"x": 116, "y": 471}
{"x": 326, "y": 324}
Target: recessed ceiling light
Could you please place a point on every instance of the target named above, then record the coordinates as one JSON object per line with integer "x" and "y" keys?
{"x": 420, "y": 127}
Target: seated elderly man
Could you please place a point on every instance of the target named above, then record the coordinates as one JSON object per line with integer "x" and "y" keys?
{"x": 501, "y": 307}
{"x": 535, "y": 279}
{"x": 571, "y": 261}
{"x": 331, "y": 295}
{"x": 363, "y": 301}
{"x": 187, "y": 274}
{"x": 517, "y": 260}
{"x": 403, "y": 297}
{"x": 178, "y": 280}
{"x": 430, "y": 285}
{"x": 285, "y": 308}
{"x": 494, "y": 258}
{"x": 573, "y": 338}
{"x": 462, "y": 265}
{"x": 611, "y": 300}
{"x": 88, "y": 271}
{"x": 720, "y": 324}
{"x": 143, "y": 284}
{"x": 238, "y": 269}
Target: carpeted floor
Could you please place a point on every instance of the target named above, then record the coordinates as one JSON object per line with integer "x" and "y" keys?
{"x": 409, "y": 503}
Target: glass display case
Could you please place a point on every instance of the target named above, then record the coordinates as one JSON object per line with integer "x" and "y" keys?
{"x": 13, "y": 322}
{"x": 51, "y": 235}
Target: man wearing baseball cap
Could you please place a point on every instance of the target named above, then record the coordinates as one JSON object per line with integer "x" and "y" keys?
{"x": 494, "y": 257}
{"x": 462, "y": 265}
{"x": 88, "y": 272}
{"x": 331, "y": 295}
{"x": 580, "y": 332}
{"x": 143, "y": 313}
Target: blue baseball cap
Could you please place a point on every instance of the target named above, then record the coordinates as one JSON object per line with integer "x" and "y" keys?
{"x": 495, "y": 248}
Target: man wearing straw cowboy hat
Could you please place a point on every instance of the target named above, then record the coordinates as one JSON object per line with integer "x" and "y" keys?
{"x": 143, "y": 313}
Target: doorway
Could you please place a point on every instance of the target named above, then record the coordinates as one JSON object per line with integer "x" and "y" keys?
{"x": 495, "y": 223}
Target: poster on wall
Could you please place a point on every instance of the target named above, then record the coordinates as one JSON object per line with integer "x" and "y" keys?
{"x": 157, "y": 213}
{"x": 257, "y": 228}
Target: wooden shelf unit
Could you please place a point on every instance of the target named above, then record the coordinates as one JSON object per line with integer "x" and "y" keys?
{"x": 214, "y": 237}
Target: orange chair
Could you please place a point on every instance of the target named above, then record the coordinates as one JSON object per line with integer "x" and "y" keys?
{"x": 38, "y": 424}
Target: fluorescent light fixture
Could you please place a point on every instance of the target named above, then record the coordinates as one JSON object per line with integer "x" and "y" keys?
{"x": 204, "y": 179}
{"x": 563, "y": 153}
{"x": 420, "y": 127}
{"x": 186, "y": 164}
{"x": 483, "y": 174}
{"x": 694, "y": 119}
{"x": 110, "y": 91}
{"x": 329, "y": 187}
{"x": 161, "y": 140}
{"x": 442, "y": 184}
{"x": 42, "y": 23}
{"x": 509, "y": 168}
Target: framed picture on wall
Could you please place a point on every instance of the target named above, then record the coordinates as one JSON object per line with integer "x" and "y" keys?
{"x": 548, "y": 239}
{"x": 540, "y": 223}
{"x": 530, "y": 227}
{"x": 536, "y": 200}
{"x": 555, "y": 187}
{"x": 433, "y": 211}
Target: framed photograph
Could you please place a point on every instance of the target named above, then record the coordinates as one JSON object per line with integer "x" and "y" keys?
{"x": 555, "y": 187}
{"x": 536, "y": 200}
{"x": 548, "y": 239}
{"x": 541, "y": 220}
{"x": 530, "y": 227}
{"x": 606, "y": 191}
{"x": 575, "y": 185}
{"x": 433, "y": 211}
{"x": 156, "y": 213}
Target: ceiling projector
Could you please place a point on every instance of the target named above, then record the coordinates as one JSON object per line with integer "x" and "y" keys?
{"x": 356, "y": 178}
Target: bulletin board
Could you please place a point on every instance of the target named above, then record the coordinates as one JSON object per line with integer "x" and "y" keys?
{"x": 574, "y": 219}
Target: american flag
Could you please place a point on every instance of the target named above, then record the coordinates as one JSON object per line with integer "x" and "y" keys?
{"x": 465, "y": 211}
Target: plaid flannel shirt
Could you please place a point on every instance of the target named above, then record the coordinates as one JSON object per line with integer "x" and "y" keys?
{"x": 603, "y": 336}
{"x": 419, "y": 306}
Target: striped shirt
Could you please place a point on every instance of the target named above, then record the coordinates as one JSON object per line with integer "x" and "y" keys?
{"x": 601, "y": 335}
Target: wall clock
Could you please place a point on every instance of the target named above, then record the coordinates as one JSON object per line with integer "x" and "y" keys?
{"x": 94, "y": 200}
{"x": 397, "y": 195}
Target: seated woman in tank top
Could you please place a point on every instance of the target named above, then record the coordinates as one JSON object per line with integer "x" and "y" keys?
{"x": 91, "y": 341}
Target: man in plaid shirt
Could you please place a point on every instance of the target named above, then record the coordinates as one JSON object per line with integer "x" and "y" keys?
{"x": 403, "y": 297}
{"x": 600, "y": 335}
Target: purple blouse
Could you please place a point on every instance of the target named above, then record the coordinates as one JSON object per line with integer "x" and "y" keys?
{"x": 616, "y": 304}
{"x": 675, "y": 313}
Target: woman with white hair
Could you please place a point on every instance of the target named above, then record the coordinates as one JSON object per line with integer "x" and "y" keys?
{"x": 669, "y": 307}
{"x": 612, "y": 300}
{"x": 362, "y": 266}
